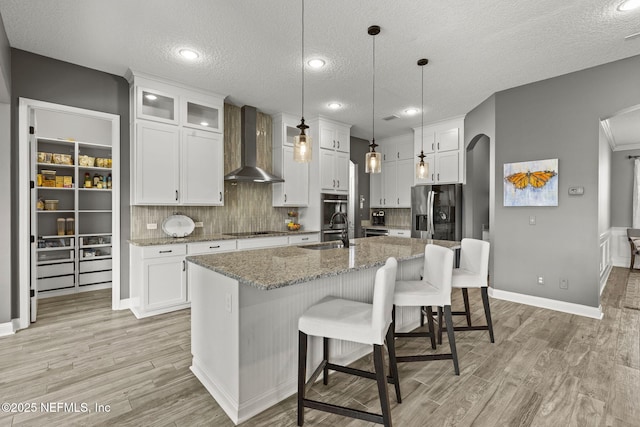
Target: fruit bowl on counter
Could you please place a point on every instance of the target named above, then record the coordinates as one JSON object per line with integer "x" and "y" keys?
{"x": 292, "y": 226}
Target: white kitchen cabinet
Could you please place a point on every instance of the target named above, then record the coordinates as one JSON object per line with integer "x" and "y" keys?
{"x": 294, "y": 191}
{"x": 302, "y": 239}
{"x": 333, "y": 152}
{"x": 396, "y": 232}
{"x": 211, "y": 247}
{"x": 158, "y": 282}
{"x": 202, "y": 167}
{"x": 178, "y": 154}
{"x": 392, "y": 187}
{"x": 443, "y": 142}
{"x": 262, "y": 242}
{"x": 334, "y": 137}
{"x": 156, "y": 172}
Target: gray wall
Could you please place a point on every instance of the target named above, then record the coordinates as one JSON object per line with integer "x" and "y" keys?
{"x": 476, "y": 189}
{"x": 622, "y": 187}
{"x": 5, "y": 177}
{"x": 46, "y": 79}
{"x": 359, "y": 148}
{"x": 555, "y": 118}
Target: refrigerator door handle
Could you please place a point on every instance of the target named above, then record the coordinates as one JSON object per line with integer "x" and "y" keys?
{"x": 431, "y": 213}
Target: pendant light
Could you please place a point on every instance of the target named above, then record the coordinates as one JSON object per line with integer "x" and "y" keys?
{"x": 302, "y": 143}
{"x": 422, "y": 168}
{"x": 373, "y": 159}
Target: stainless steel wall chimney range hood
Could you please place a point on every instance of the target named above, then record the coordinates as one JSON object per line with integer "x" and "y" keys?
{"x": 248, "y": 171}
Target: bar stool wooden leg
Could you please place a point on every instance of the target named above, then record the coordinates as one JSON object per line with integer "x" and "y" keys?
{"x": 487, "y": 311}
{"x": 302, "y": 374}
{"x": 451, "y": 337}
{"x": 439, "y": 325}
{"x": 325, "y": 355}
{"x": 381, "y": 379}
{"x": 467, "y": 310}
{"x": 431, "y": 327}
{"x": 393, "y": 364}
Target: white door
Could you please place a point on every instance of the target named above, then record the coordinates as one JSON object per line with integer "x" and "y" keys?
{"x": 342, "y": 171}
{"x": 327, "y": 167}
{"x": 405, "y": 173}
{"x": 202, "y": 168}
{"x": 33, "y": 287}
{"x": 389, "y": 182}
{"x": 165, "y": 282}
{"x": 448, "y": 140}
{"x": 156, "y": 172}
{"x": 375, "y": 190}
{"x": 447, "y": 167}
{"x": 296, "y": 180}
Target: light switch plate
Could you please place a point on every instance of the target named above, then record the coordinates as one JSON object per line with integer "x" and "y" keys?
{"x": 199, "y": 224}
{"x": 152, "y": 226}
{"x": 576, "y": 191}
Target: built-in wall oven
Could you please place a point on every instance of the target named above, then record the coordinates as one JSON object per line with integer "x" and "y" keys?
{"x": 371, "y": 232}
{"x": 330, "y": 204}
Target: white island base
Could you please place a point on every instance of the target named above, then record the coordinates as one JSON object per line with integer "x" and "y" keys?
{"x": 244, "y": 340}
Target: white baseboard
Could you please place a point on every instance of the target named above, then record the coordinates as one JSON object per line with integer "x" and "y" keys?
{"x": 227, "y": 403}
{"x": 9, "y": 328}
{"x": 565, "y": 307}
{"x": 123, "y": 304}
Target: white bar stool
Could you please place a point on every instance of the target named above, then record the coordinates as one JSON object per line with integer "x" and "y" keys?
{"x": 358, "y": 322}
{"x": 433, "y": 290}
{"x": 473, "y": 273}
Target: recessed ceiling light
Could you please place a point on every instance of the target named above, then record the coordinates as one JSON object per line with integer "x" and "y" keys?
{"x": 189, "y": 54}
{"x": 151, "y": 97}
{"x": 628, "y": 5}
{"x": 335, "y": 105}
{"x": 204, "y": 124}
{"x": 316, "y": 63}
{"x": 411, "y": 111}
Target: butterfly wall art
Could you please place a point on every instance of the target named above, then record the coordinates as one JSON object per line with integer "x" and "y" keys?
{"x": 532, "y": 183}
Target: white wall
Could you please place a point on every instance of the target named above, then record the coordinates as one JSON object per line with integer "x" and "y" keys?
{"x": 604, "y": 184}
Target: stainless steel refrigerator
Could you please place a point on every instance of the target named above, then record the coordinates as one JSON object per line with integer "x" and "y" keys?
{"x": 436, "y": 212}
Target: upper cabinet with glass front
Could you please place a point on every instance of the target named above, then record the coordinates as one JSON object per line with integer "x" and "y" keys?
{"x": 167, "y": 102}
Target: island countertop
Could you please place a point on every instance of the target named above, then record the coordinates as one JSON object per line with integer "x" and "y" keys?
{"x": 273, "y": 268}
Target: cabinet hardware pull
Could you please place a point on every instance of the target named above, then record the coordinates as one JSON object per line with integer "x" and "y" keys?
{"x": 220, "y": 195}
{"x": 432, "y": 146}
{"x": 176, "y": 194}
{"x": 380, "y": 201}
{"x": 166, "y": 252}
{"x": 385, "y": 200}
{"x": 285, "y": 198}
{"x": 398, "y": 155}
{"x": 334, "y": 183}
{"x": 306, "y": 238}
{"x": 184, "y": 265}
{"x": 338, "y": 183}
{"x": 334, "y": 143}
{"x": 214, "y": 247}
{"x": 438, "y": 146}
{"x": 431, "y": 177}
{"x": 338, "y": 144}
{"x": 438, "y": 176}
{"x": 398, "y": 200}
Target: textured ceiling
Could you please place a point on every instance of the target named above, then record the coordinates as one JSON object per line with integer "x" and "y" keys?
{"x": 251, "y": 49}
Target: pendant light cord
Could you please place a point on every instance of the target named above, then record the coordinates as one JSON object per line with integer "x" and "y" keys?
{"x": 302, "y": 50}
{"x": 422, "y": 128}
{"x": 373, "y": 119}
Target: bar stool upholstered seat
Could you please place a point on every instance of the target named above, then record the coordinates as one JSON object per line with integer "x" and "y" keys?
{"x": 336, "y": 318}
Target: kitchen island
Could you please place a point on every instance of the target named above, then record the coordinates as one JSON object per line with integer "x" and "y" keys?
{"x": 245, "y": 308}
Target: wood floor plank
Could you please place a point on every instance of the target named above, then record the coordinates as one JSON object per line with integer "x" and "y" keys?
{"x": 545, "y": 368}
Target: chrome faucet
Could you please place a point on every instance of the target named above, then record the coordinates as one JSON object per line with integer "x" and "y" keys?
{"x": 344, "y": 236}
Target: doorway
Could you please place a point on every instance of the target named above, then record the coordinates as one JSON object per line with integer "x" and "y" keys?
{"x": 477, "y": 188}
{"x": 59, "y": 146}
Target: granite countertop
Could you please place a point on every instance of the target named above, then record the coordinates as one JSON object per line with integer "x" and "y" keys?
{"x": 273, "y": 268}
{"x": 167, "y": 240}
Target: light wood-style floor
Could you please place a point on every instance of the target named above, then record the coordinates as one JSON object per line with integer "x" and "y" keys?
{"x": 546, "y": 368}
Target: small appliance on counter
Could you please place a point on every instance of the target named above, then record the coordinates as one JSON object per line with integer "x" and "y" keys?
{"x": 377, "y": 218}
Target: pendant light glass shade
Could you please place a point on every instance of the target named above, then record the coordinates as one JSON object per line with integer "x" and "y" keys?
{"x": 302, "y": 145}
{"x": 422, "y": 168}
{"x": 302, "y": 148}
{"x": 373, "y": 159}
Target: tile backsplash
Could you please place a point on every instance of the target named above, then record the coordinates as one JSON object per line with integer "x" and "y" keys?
{"x": 247, "y": 205}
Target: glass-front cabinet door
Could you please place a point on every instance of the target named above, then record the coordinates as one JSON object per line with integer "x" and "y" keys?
{"x": 201, "y": 115}
{"x": 157, "y": 106}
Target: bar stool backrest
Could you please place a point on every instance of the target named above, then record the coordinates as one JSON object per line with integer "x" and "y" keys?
{"x": 384, "y": 287}
{"x": 474, "y": 257}
{"x": 438, "y": 267}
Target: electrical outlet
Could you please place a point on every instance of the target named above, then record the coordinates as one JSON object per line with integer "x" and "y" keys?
{"x": 287, "y": 221}
{"x": 564, "y": 283}
{"x": 199, "y": 224}
{"x": 532, "y": 220}
{"x": 227, "y": 302}
{"x": 540, "y": 280}
{"x": 152, "y": 226}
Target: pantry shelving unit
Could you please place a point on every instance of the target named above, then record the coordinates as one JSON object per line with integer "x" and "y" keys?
{"x": 76, "y": 240}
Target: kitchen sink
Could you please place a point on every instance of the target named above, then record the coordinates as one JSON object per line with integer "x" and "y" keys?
{"x": 327, "y": 245}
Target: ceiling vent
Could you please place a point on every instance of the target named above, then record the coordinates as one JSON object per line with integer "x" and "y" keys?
{"x": 391, "y": 117}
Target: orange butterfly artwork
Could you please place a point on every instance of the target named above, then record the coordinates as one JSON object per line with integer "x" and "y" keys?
{"x": 536, "y": 179}
{"x": 533, "y": 183}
